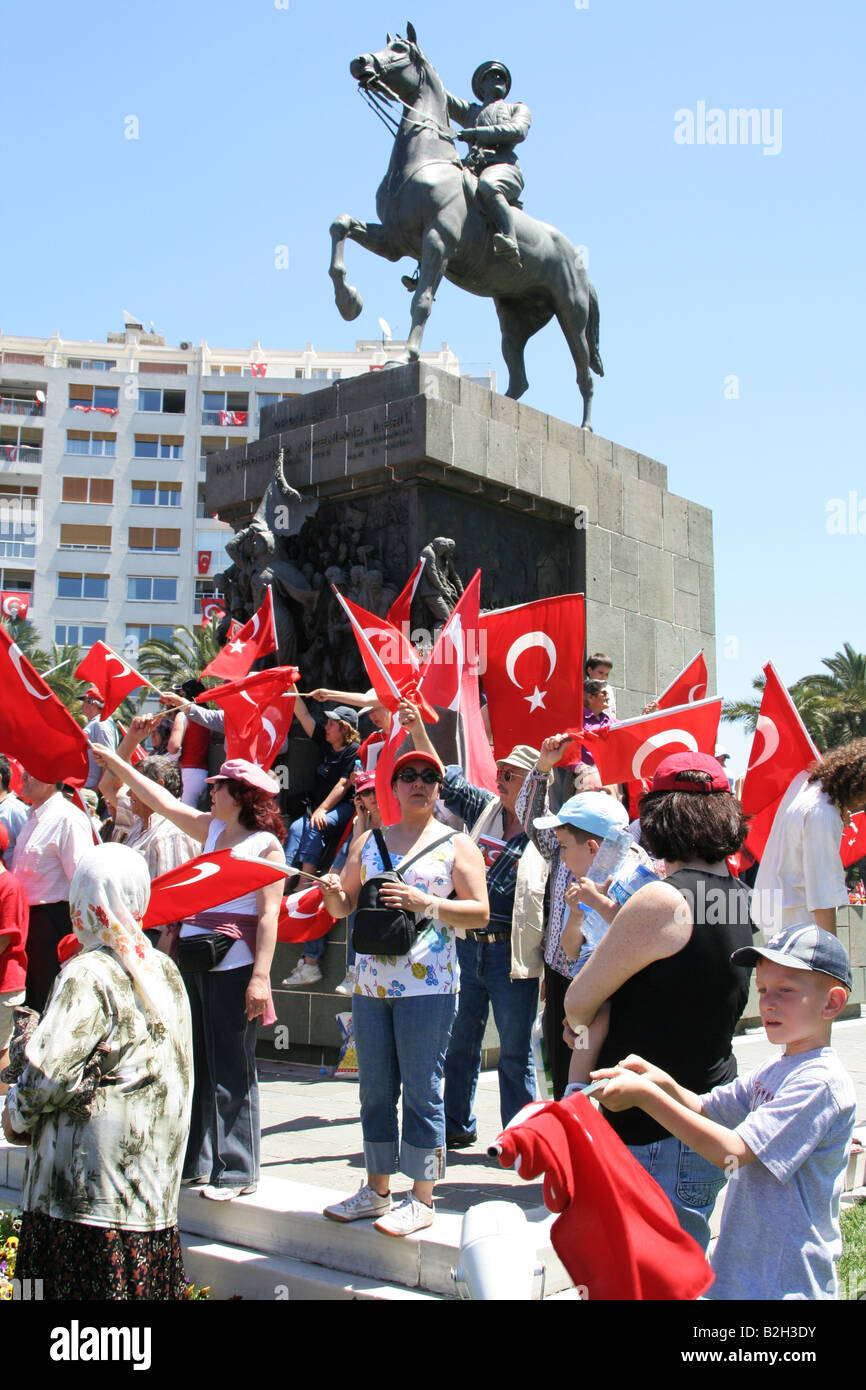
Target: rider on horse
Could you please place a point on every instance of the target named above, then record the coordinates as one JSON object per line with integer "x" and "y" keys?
{"x": 492, "y": 127}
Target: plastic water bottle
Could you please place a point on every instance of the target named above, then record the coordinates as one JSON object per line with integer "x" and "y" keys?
{"x": 626, "y": 888}
{"x": 608, "y": 860}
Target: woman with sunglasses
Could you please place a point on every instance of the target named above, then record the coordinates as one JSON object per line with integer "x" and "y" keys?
{"x": 403, "y": 1006}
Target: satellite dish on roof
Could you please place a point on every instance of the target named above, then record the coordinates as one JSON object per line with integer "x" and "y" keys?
{"x": 385, "y": 327}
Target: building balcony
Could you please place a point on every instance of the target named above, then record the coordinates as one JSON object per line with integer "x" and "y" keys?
{"x": 20, "y": 453}
{"x": 21, "y": 405}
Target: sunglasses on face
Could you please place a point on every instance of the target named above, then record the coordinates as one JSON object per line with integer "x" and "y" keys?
{"x": 411, "y": 774}
{"x": 510, "y": 776}
{"x": 369, "y": 791}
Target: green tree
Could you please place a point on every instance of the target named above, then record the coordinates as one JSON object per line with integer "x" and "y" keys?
{"x": 831, "y": 703}
{"x": 183, "y": 658}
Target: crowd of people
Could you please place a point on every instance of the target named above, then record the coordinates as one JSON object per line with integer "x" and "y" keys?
{"x": 617, "y": 927}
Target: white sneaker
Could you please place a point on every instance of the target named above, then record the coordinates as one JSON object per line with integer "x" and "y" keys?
{"x": 346, "y": 986}
{"x": 408, "y": 1216}
{"x": 365, "y": 1203}
{"x": 306, "y": 972}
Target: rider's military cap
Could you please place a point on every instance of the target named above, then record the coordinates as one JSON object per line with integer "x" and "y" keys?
{"x": 481, "y": 72}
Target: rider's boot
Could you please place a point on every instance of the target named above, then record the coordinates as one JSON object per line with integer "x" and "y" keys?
{"x": 505, "y": 246}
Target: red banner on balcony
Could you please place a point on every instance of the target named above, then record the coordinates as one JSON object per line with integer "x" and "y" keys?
{"x": 259, "y": 368}
{"x": 204, "y": 559}
{"x": 14, "y": 604}
{"x": 211, "y": 608}
{"x": 233, "y": 417}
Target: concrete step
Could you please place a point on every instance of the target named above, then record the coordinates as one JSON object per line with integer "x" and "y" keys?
{"x": 229, "y": 1271}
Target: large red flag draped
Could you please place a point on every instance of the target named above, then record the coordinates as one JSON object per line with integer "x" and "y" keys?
{"x": 532, "y": 678}
{"x": 113, "y": 676}
{"x": 634, "y": 748}
{"x": 258, "y": 712}
{"x": 449, "y": 679}
{"x": 616, "y": 1232}
{"x": 398, "y": 613}
{"x": 303, "y": 916}
{"x": 256, "y": 639}
{"x": 688, "y": 686}
{"x": 389, "y": 807}
{"x": 783, "y": 750}
{"x": 34, "y": 726}
{"x": 205, "y": 882}
{"x": 853, "y": 845}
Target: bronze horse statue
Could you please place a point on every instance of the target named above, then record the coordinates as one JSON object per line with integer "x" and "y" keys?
{"x": 428, "y": 211}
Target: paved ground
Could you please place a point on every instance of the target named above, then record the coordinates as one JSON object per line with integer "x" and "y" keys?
{"x": 311, "y": 1132}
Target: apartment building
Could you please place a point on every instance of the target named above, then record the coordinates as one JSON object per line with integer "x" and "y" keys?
{"x": 102, "y": 466}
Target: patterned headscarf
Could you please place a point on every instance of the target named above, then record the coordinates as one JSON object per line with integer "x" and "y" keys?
{"x": 108, "y": 897}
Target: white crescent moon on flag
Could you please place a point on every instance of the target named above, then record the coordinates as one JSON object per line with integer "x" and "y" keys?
{"x": 692, "y": 695}
{"x": 522, "y": 644}
{"x": 272, "y": 735}
{"x": 454, "y": 631}
{"x": 766, "y": 727}
{"x": 200, "y": 872}
{"x": 17, "y": 656}
{"x": 660, "y": 740}
{"x": 12, "y": 607}
{"x": 124, "y": 669}
{"x": 255, "y": 621}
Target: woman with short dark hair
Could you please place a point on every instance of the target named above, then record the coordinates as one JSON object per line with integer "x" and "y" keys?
{"x": 664, "y": 965}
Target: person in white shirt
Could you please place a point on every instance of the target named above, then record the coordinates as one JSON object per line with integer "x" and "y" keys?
{"x": 97, "y": 730}
{"x": 801, "y": 874}
{"x": 50, "y": 843}
{"x": 13, "y": 812}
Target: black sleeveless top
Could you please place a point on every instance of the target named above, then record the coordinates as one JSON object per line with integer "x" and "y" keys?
{"x": 680, "y": 1012}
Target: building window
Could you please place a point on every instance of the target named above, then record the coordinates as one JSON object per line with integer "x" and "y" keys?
{"x": 136, "y": 633}
{"x": 168, "y": 402}
{"x": 97, "y": 490}
{"x": 204, "y": 588}
{"x": 90, "y": 364}
{"x": 146, "y": 588}
{"x": 71, "y": 635}
{"x": 155, "y": 446}
{"x": 153, "y": 494}
{"x": 82, "y": 586}
{"x": 83, "y": 442}
{"x": 299, "y": 373}
{"x": 85, "y": 537}
{"x": 162, "y": 540}
{"x": 93, "y": 398}
{"x": 20, "y": 580}
{"x": 225, "y": 407}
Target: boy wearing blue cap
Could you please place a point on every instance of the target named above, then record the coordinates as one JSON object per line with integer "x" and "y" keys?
{"x": 783, "y": 1132}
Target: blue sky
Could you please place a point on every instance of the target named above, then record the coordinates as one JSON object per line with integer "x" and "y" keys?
{"x": 711, "y": 261}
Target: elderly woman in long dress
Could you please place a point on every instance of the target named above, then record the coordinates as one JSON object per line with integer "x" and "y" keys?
{"x": 103, "y": 1101}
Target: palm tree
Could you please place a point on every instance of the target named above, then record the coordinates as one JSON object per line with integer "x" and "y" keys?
{"x": 832, "y": 706}
{"x": 183, "y": 658}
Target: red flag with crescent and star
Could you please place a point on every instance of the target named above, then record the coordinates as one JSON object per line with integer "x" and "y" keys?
{"x": 389, "y": 658}
{"x": 34, "y": 726}
{"x": 688, "y": 686}
{"x": 633, "y": 748}
{"x": 532, "y": 677}
{"x": 780, "y": 748}
{"x": 205, "y": 882}
{"x": 258, "y": 710}
{"x": 113, "y": 676}
{"x": 854, "y": 840}
{"x": 303, "y": 916}
{"x": 14, "y": 603}
{"x": 256, "y": 638}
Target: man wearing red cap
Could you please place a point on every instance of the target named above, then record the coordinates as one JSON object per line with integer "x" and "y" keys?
{"x": 97, "y": 730}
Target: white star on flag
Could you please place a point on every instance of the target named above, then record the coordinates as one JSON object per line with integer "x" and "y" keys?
{"x": 236, "y": 646}
{"x": 536, "y": 699}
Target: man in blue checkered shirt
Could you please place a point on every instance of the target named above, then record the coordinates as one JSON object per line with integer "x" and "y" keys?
{"x": 500, "y": 965}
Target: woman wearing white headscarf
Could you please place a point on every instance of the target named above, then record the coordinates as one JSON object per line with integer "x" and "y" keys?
{"x": 104, "y": 1102}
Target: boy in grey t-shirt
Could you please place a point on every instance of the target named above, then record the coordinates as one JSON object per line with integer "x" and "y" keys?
{"x": 783, "y": 1132}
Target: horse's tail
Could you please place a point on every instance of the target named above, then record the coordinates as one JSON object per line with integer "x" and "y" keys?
{"x": 592, "y": 325}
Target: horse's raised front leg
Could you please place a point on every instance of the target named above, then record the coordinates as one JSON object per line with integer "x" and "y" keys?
{"x": 368, "y": 234}
{"x": 434, "y": 261}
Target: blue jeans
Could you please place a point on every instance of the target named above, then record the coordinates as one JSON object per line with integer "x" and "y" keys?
{"x": 225, "y": 1134}
{"x": 306, "y": 845}
{"x": 401, "y": 1043}
{"x": 691, "y": 1182}
{"x": 485, "y": 980}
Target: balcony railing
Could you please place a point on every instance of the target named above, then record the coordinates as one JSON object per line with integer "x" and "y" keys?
{"x": 20, "y": 453}
{"x": 20, "y": 405}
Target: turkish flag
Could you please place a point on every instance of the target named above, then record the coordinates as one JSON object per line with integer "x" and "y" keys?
{"x": 258, "y": 711}
{"x": 689, "y": 685}
{"x": 389, "y": 806}
{"x": 616, "y": 1232}
{"x": 256, "y": 638}
{"x": 205, "y": 882}
{"x": 389, "y": 658}
{"x": 634, "y": 748}
{"x": 112, "y": 676}
{"x": 532, "y": 678}
{"x": 783, "y": 749}
{"x": 14, "y": 604}
{"x": 303, "y": 916}
{"x": 398, "y": 613}
{"x": 854, "y": 840}
{"x": 211, "y": 608}
{"x": 449, "y": 679}
{"x": 204, "y": 559}
{"x": 259, "y": 368}
{"x": 34, "y": 726}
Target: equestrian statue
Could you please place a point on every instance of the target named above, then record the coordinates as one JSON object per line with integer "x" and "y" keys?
{"x": 463, "y": 218}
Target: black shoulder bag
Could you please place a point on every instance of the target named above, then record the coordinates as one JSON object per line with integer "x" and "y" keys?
{"x": 387, "y": 931}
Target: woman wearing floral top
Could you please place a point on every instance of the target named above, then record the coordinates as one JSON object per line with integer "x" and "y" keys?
{"x": 104, "y": 1101}
{"x": 404, "y": 1006}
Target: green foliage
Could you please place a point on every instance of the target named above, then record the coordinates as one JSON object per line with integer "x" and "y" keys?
{"x": 831, "y": 703}
{"x": 183, "y": 658}
{"x": 852, "y": 1265}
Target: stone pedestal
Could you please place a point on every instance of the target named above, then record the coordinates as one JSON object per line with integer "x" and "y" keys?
{"x": 541, "y": 506}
